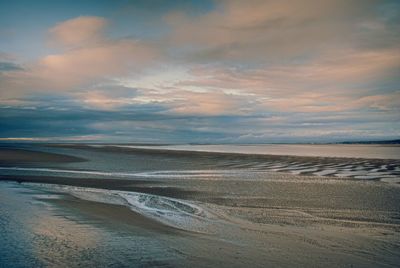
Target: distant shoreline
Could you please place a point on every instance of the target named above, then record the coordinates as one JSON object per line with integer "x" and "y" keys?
{"x": 368, "y": 142}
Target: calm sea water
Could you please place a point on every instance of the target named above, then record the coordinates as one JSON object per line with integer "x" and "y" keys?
{"x": 322, "y": 150}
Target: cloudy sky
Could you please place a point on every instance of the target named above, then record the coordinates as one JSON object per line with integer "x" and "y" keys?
{"x": 223, "y": 71}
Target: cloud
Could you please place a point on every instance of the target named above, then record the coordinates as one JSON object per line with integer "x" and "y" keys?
{"x": 271, "y": 31}
{"x": 9, "y": 66}
{"x": 332, "y": 83}
{"x": 87, "y": 57}
{"x": 229, "y": 71}
{"x": 81, "y": 31}
{"x": 107, "y": 97}
{"x": 205, "y": 103}
{"x": 148, "y": 124}
{"x": 88, "y": 64}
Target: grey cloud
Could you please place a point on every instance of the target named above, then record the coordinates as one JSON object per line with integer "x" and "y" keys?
{"x": 152, "y": 123}
{"x": 9, "y": 66}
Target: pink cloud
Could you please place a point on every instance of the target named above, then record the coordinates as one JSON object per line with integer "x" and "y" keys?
{"x": 107, "y": 59}
{"x": 87, "y": 56}
{"x": 79, "y": 31}
{"x": 206, "y": 103}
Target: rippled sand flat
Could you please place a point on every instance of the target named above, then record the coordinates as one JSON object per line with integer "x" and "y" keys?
{"x": 155, "y": 208}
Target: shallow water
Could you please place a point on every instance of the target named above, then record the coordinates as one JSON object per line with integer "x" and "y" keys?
{"x": 35, "y": 233}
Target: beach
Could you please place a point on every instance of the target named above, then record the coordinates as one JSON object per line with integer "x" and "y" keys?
{"x": 138, "y": 207}
{"x": 201, "y": 133}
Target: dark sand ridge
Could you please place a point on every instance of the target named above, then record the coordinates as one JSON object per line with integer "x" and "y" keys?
{"x": 23, "y": 156}
{"x": 187, "y": 153}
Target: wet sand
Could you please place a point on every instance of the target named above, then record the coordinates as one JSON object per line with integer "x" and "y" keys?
{"x": 252, "y": 217}
{"x": 342, "y": 167}
{"x": 93, "y": 233}
{"x": 275, "y": 246}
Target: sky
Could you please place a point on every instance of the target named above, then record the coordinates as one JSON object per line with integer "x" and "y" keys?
{"x": 223, "y": 71}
